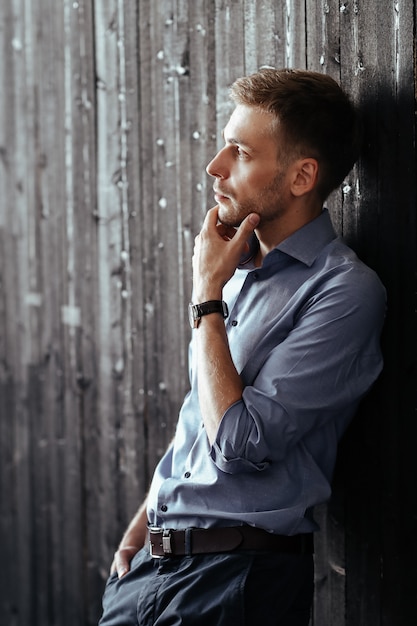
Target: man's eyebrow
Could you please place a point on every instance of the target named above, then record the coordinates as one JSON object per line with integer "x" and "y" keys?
{"x": 237, "y": 142}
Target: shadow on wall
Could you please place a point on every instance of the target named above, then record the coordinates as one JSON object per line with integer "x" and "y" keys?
{"x": 375, "y": 478}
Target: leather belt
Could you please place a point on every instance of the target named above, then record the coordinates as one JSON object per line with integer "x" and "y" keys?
{"x": 168, "y": 542}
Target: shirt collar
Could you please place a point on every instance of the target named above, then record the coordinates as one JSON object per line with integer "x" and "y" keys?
{"x": 304, "y": 245}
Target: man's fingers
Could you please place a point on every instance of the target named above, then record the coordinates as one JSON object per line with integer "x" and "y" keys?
{"x": 227, "y": 232}
{"x": 121, "y": 561}
{"x": 122, "y": 565}
{"x": 211, "y": 217}
{"x": 250, "y": 222}
{"x": 246, "y": 228}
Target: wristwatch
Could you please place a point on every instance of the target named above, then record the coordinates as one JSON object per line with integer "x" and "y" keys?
{"x": 196, "y": 311}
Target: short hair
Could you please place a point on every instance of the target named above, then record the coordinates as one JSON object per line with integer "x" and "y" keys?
{"x": 315, "y": 118}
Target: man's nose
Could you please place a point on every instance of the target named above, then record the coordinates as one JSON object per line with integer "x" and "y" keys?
{"x": 217, "y": 166}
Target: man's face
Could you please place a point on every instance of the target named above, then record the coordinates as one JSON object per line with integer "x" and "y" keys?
{"x": 248, "y": 176}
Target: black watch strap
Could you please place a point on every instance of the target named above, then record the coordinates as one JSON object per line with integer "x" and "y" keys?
{"x": 196, "y": 311}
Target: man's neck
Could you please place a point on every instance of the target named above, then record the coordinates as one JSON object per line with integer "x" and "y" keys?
{"x": 271, "y": 234}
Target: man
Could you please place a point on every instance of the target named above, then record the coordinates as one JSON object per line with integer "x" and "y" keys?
{"x": 285, "y": 343}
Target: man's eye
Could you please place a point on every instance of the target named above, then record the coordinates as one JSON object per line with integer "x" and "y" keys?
{"x": 241, "y": 153}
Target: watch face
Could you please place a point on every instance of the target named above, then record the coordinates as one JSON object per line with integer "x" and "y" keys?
{"x": 193, "y": 316}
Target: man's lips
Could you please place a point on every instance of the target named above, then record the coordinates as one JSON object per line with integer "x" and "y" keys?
{"x": 219, "y": 195}
{"x": 220, "y": 198}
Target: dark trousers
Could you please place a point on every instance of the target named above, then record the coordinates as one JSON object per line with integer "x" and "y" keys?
{"x": 233, "y": 589}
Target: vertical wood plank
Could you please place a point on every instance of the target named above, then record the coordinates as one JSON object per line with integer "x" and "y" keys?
{"x": 114, "y": 487}
{"x": 296, "y": 27}
{"x": 229, "y": 56}
{"x": 17, "y": 154}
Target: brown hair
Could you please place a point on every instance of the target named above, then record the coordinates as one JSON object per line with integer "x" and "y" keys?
{"x": 315, "y": 118}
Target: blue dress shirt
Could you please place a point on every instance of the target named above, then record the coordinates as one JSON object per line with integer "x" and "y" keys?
{"x": 304, "y": 335}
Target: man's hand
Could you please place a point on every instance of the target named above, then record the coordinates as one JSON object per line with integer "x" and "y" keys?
{"x": 133, "y": 540}
{"x": 217, "y": 251}
{"x": 121, "y": 560}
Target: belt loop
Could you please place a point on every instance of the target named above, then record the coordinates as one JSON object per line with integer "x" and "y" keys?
{"x": 188, "y": 542}
{"x": 166, "y": 541}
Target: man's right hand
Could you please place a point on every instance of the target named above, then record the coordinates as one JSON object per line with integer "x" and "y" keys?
{"x": 217, "y": 251}
{"x": 122, "y": 559}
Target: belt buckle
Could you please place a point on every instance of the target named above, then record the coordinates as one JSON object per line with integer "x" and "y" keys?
{"x": 166, "y": 541}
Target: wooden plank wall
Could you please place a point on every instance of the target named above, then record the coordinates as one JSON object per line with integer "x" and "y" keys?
{"x": 109, "y": 112}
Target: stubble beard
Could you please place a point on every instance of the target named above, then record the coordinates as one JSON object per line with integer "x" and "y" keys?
{"x": 269, "y": 205}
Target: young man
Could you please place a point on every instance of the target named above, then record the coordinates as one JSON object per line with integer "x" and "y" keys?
{"x": 285, "y": 344}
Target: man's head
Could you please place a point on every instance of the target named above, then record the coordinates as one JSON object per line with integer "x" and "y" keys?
{"x": 313, "y": 118}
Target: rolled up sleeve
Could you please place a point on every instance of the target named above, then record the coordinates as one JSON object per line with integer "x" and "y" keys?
{"x": 316, "y": 375}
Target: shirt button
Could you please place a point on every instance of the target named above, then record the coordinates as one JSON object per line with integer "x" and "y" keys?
{"x": 255, "y": 275}
{"x": 234, "y": 323}
{"x": 164, "y": 508}
{"x": 187, "y": 474}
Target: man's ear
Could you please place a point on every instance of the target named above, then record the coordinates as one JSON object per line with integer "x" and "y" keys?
{"x": 304, "y": 176}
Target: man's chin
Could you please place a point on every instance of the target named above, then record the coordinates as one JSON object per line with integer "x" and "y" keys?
{"x": 230, "y": 217}
{"x": 228, "y": 220}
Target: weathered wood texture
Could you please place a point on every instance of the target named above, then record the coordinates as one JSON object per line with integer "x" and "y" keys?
{"x": 109, "y": 112}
